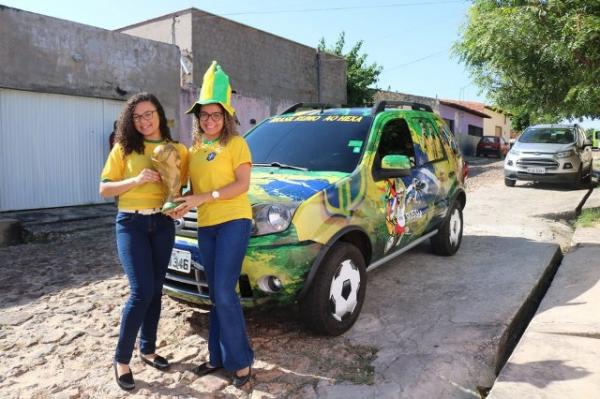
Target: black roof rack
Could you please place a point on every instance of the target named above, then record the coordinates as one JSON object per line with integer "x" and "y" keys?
{"x": 382, "y": 105}
{"x": 298, "y": 106}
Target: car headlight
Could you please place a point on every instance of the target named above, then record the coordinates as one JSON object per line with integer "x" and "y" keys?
{"x": 564, "y": 154}
{"x": 514, "y": 152}
{"x": 271, "y": 218}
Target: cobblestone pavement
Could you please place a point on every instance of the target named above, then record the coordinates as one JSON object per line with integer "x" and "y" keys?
{"x": 61, "y": 297}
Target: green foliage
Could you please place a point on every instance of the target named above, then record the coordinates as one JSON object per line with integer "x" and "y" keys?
{"x": 360, "y": 77}
{"x": 588, "y": 218}
{"x": 536, "y": 58}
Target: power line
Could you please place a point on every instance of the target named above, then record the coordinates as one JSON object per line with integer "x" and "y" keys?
{"x": 394, "y": 5}
{"x": 412, "y": 62}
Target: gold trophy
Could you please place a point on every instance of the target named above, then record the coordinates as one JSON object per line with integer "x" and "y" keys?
{"x": 166, "y": 161}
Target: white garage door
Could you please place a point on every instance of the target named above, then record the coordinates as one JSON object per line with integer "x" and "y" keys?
{"x": 52, "y": 148}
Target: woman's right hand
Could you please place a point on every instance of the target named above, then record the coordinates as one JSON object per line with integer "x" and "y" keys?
{"x": 147, "y": 176}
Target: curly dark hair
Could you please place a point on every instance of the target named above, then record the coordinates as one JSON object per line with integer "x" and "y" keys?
{"x": 127, "y": 135}
{"x": 229, "y": 127}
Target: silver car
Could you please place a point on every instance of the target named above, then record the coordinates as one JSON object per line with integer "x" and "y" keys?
{"x": 550, "y": 153}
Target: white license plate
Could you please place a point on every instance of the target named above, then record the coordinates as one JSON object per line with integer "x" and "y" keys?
{"x": 537, "y": 171}
{"x": 181, "y": 261}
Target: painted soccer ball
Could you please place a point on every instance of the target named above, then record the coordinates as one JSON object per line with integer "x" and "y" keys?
{"x": 343, "y": 293}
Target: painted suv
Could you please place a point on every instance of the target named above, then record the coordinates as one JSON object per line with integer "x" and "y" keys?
{"x": 336, "y": 192}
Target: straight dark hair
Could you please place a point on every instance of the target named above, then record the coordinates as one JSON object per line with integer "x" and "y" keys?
{"x": 127, "y": 135}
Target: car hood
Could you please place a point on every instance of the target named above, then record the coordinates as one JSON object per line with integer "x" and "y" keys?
{"x": 275, "y": 185}
{"x": 542, "y": 147}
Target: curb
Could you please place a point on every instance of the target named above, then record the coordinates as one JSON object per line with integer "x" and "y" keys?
{"x": 11, "y": 232}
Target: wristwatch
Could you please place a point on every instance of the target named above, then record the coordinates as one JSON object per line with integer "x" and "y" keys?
{"x": 215, "y": 195}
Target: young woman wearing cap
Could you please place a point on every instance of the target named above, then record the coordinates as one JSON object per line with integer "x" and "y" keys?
{"x": 144, "y": 235}
{"x": 219, "y": 166}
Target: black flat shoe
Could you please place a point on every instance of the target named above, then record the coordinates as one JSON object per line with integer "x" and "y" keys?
{"x": 158, "y": 362}
{"x": 239, "y": 381}
{"x": 204, "y": 369}
{"x": 125, "y": 381}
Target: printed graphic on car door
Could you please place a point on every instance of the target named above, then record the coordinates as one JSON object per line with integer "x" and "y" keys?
{"x": 406, "y": 200}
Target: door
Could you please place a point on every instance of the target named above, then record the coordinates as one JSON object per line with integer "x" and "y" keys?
{"x": 52, "y": 148}
{"x": 407, "y": 200}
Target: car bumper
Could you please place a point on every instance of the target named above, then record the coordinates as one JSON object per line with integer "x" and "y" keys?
{"x": 289, "y": 263}
{"x": 488, "y": 151}
{"x": 548, "y": 177}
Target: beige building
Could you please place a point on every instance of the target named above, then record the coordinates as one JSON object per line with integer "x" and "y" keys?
{"x": 499, "y": 123}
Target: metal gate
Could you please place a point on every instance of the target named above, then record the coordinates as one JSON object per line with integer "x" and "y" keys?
{"x": 52, "y": 148}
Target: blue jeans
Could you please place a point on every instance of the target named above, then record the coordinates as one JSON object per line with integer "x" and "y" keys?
{"x": 222, "y": 250}
{"x": 144, "y": 243}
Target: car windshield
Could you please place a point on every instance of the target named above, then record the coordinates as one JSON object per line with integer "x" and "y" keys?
{"x": 311, "y": 142}
{"x": 547, "y": 135}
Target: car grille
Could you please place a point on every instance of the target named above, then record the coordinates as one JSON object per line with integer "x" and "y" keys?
{"x": 537, "y": 162}
{"x": 187, "y": 226}
{"x": 193, "y": 283}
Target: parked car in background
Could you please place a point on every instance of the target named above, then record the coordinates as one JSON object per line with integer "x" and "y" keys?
{"x": 492, "y": 145}
{"x": 596, "y": 139}
{"x": 336, "y": 192}
{"x": 550, "y": 153}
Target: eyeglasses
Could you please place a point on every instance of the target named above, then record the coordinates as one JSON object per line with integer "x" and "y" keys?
{"x": 145, "y": 116}
{"x": 216, "y": 116}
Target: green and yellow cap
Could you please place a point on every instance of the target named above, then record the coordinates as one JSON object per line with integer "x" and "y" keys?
{"x": 215, "y": 89}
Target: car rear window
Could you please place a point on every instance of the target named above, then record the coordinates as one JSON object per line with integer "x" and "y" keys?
{"x": 488, "y": 140}
{"x": 314, "y": 142}
{"x": 547, "y": 136}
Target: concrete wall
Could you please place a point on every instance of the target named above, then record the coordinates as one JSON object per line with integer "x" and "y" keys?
{"x": 265, "y": 70}
{"x": 45, "y": 54}
{"x": 175, "y": 29}
{"x": 263, "y": 65}
{"x": 382, "y": 95}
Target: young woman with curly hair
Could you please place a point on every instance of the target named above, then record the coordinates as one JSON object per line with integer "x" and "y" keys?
{"x": 145, "y": 236}
{"x": 220, "y": 165}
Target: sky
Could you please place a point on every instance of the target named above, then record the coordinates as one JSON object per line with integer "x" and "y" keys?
{"x": 410, "y": 39}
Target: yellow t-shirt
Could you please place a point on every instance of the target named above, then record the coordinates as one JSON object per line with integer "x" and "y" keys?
{"x": 120, "y": 167}
{"x": 213, "y": 167}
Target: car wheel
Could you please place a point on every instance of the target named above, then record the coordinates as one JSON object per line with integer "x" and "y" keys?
{"x": 447, "y": 241}
{"x": 509, "y": 182}
{"x": 335, "y": 298}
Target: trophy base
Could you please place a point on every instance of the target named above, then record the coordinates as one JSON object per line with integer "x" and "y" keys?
{"x": 169, "y": 206}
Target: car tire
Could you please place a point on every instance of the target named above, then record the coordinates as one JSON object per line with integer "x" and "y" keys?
{"x": 509, "y": 182}
{"x": 447, "y": 241}
{"x": 342, "y": 274}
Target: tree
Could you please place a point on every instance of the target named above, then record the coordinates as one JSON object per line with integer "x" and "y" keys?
{"x": 539, "y": 58}
{"x": 359, "y": 76}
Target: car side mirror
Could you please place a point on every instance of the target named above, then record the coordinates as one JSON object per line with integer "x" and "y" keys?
{"x": 587, "y": 143}
{"x": 394, "y": 166}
